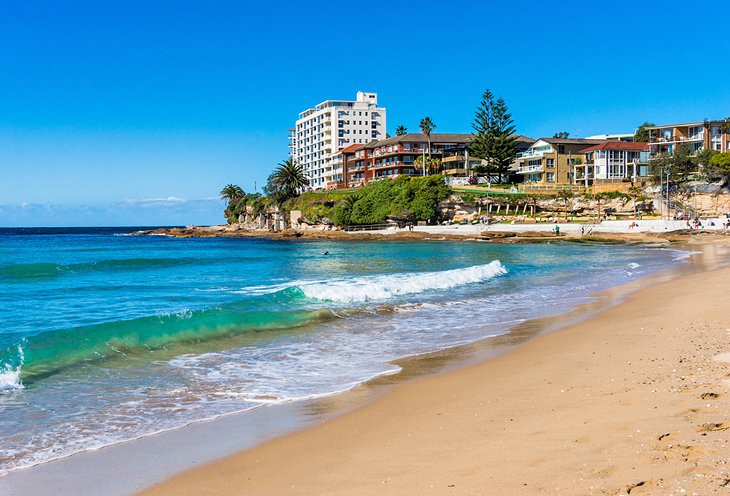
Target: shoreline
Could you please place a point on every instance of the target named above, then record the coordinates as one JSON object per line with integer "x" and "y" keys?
{"x": 296, "y": 416}
{"x": 495, "y": 233}
{"x": 254, "y": 471}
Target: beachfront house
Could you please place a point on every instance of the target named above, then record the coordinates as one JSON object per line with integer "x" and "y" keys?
{"x": 551, "y": 162}
{"x": 613, "y": 162}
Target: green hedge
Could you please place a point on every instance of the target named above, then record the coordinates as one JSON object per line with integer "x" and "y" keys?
{"x": 403, "y": 198}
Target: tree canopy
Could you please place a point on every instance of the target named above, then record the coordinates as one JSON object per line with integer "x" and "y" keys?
{"x": 427, "y": 126}
{"x": 642, "y": 133}
{"x": 400, "y": 130}
{"x": 287, "y": 181}
{"x": 680, "y": 164}
{"x": 403, "y": 198}
{"x": 719, "y": 165}
{"x": 493, "y": 138}
{"x": 231, "y": 193}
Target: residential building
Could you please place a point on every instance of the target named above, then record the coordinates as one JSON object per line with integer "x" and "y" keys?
{"x": 613, "y": 161}
{"x": 456, "y": 159}
{"x": 323, "y": 130}
{"x": 357, "y": 171}
{"x": 697, "y": 136}
{"x": 337, "y": 178}
{"x": 551, "y": 161}
{"x": 392, "y": 157}
{"x": 397, "y": 156}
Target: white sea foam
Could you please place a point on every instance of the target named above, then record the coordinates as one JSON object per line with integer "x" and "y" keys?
{"x": 387, "y": 286}
{"x": 634, "y": 265}
{"x": 684, "y": 255}
{"x": 10, "y": 375}
{"x": 10, "y": 381}
{"x": 266, "y": 289}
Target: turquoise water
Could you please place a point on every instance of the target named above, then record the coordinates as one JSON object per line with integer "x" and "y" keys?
{"x": 107, "y": 337}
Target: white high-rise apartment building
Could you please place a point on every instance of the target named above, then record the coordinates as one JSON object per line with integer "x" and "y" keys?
{"x": 323, "y": 130}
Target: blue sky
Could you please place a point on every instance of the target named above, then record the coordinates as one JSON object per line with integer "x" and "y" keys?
{"x": 138, "y": 112}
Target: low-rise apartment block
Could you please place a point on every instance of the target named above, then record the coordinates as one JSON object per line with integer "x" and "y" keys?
{"x": 552, "y": 161}
{"x": 714, "y": 135}
{"x": 397, "y": 156}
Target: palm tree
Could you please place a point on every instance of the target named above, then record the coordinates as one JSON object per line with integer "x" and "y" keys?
{"x": 532, "y": 199}
{"x": 427, "y": 126}
{"x": 599, "y": 198}
{"x": 635, "y": 191}
{"x": 400, "y": 130}
{"x": 565, "y": 195}
{"x": 232, "y": 193}
{"x": 289, "y": 179}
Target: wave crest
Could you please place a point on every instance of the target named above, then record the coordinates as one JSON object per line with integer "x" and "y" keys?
{"x": 388, "y": 286}
{"x": 10, "y": 374}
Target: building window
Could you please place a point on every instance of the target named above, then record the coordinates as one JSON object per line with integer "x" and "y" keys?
{"x": 550, "y": 162}
{"x": 550, "y": 177}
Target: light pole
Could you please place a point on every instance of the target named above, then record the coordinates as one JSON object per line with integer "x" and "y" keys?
{"x": 668, "y": 209}
{"x": 661, "y": 194}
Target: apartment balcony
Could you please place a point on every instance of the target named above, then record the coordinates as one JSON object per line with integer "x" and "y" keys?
{"x": 677, "y": 139}
{"x": 335, "y": 184}
{"x": 532, "y": 154}
{"x": 530, "y": 169}
{"x": 394, "y": 164}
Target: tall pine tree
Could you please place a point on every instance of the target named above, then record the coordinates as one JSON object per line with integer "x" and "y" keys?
{"x": 493, "y": 137}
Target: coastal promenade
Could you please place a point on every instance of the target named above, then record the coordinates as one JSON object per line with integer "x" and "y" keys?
{"x": 605, "y": 227}
{"x": 633, "y": 400}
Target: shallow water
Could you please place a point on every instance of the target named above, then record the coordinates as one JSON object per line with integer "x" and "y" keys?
{"x": 107, "y": 337}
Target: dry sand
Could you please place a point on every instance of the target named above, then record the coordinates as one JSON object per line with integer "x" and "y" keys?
{"x": 632, "y": 401}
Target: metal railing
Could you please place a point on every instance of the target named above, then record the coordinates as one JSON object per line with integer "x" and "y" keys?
{"x": 368, "y": 227}
{"x": 525, "y": 187}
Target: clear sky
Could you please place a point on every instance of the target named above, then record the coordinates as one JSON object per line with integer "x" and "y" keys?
{"x": 139, "y": 112}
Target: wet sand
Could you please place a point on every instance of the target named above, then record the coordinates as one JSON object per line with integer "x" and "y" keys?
{"x": 634, "y": 400}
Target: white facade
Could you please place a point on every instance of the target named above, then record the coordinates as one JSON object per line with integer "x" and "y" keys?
{"x": 619, "y": 164}
{"x": 323, "y": 130}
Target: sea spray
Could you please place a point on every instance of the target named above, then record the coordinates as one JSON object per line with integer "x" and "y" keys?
{"x": 10, "y": 371}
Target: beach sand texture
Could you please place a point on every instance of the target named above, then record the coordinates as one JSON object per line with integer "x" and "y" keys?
{"x": 631, "y": 401}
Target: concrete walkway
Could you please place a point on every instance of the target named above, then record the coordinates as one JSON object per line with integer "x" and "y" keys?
{"x": 607, "y": 226}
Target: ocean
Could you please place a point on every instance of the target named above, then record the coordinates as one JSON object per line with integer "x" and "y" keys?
{"x": 107, "y": 337}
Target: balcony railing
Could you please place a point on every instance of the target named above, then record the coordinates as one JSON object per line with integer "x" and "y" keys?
{"x": 394, "y": 164}
{"x": 530, "y": 169}
{"x": 676, "y": 139}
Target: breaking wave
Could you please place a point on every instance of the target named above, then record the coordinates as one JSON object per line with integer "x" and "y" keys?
{"x": 387, "y": 286}
{"x": 10, "y": 372}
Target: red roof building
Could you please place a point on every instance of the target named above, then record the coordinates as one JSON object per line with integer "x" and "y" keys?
{"x": 613, "y": 161}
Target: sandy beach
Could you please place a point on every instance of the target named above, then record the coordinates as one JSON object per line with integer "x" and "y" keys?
{"x": 632, "y": 401}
